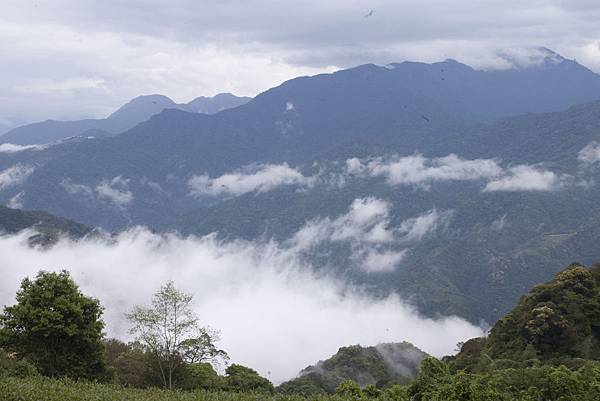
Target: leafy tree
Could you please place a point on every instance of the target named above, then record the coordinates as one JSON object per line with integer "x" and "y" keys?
{"x": 349, "y": 389}
{"x": 132, "y": 365}
{"x": 171, "y": 332}
{"x": 200, "y": 376}
{"x": 240, "y": 378}
{"x": 56, "y": 327}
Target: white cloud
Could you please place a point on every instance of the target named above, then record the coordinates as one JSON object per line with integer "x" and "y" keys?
{"x": 17, "y": 201}
{"x": 417, "y": 228}
{"x": 192, "y": 48}
{"x": 76, "y": 189}
{"x": 265, "y": 301}
{"x": 115, "y": 191}
{"x": 418, "y": 170}
{"x": 526, "y": 178}
{"x": 12, "y": 148}
{"x": 590, "y": 154}
{"x": 14, "y": 175}
{"x": 499, "y": 224}
{"x": 382, "y": 261}
{"x": 260, "y": 178}
{"x": 367, "y": 227}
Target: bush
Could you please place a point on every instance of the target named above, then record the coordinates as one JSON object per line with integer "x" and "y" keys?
{"x": 196, "y": 376}
{"x": 240, "y": 378}
{"x": 10, "y": 366}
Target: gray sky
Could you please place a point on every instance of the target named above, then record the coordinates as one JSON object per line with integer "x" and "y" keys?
{"x": 69, "y": 59}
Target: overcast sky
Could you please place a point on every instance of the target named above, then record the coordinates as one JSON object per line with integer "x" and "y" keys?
{"x": 67, "y": 59}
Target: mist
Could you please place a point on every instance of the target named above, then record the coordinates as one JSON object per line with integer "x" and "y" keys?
{"x": 274, "y": 312}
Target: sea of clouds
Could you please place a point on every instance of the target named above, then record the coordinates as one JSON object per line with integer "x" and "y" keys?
{"x": 275, "y": 313}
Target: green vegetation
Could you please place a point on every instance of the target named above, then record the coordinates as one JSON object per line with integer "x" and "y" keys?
{"x": 56, "y": 327}
{"x": 380, "y": 366}
{"x": 546, "y": 349}
{"x": 557, "y": 323}
{"x": 171, "y": 334}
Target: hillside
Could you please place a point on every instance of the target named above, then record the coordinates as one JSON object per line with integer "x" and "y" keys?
{"x": 49, "y": 228}
{"x": 556, "y": 323}
{"x": 382, "y": 365}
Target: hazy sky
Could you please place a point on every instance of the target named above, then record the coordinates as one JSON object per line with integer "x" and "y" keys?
{"x": 75, "y": 58}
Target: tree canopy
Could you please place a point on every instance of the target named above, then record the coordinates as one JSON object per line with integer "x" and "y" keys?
{"x": 55, "y": 327}
{"x": 171, "y": 332}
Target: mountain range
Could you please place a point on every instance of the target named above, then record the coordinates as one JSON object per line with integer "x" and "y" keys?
{"x": 136, "y": 111}
{"x": 456, "y": 188}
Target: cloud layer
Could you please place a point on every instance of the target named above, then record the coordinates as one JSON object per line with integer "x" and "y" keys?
{"x": 14, "y": 175}
{"x": 590, "y": 154}
{"x": 259, "y": 178}
{"x": 525, "y": 178}
{"x": 420, "y": 171}
{"x": 275, "y": 314}
{"x": 12, "y": 148}
{"x": 377, "y": 247}
{"x": 115, "y": 191}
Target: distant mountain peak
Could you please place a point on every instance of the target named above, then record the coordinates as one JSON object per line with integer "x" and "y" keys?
{"x": 158, "y": 102}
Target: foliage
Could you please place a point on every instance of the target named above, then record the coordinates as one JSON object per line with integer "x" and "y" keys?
{"x": 240, "y": 378}
{"x": 196, "y": 376}
{"x": 35, "y": 389}
{"x": 171, "y": 332}
{"x": 546, "y": 383}
{"x": 10, "y": 366}
{"x": 557, "y": 323}
{"x": 381, "y": 366}
{"x": 133, "y": 366}
{"x": 55, "y": 327}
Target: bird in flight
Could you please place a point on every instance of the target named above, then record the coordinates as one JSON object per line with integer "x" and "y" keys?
{"x": 369, "y": 14}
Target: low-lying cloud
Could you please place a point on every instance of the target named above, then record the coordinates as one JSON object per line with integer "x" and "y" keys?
{"x": 526, "y": 178}
{"x": 259, "y": 178}
{"x": 12, "y": 148}
{"x": 14, "y": 175}
{"x": 590, "y": 154}
{"x": 417, "y": 170}
{"x": 274, "y": 312}
{"x": 376, "y": 246}
{"x": 115, "y": 190}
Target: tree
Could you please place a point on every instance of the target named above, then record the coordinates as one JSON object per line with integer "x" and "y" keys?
{"x": 171, "y": 332}
{"x": 131, "y": 363}
{"x": 349, "y": 389}
{"x": 195, "y": 376}
{"x": 241, "y": 379}
{"x": 55, "y": 327}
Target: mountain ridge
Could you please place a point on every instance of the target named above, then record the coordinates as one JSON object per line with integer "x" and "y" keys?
{"x": 127, "y": 116}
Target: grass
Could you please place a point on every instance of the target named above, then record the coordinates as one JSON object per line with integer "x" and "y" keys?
{"x": 45, "y": 389}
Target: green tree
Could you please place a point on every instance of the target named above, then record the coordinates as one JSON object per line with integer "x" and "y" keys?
{"x": 195, "y": 376}
{"x": 56, "y": 327}
{"x": 132, "y": 364}
{"x": 240, "y": 379}
{"x": 171, "y": 332}
{"x": 349, "y": 389}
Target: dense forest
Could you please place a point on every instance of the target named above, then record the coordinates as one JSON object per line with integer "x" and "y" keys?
{"x": 53, "y": 348}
